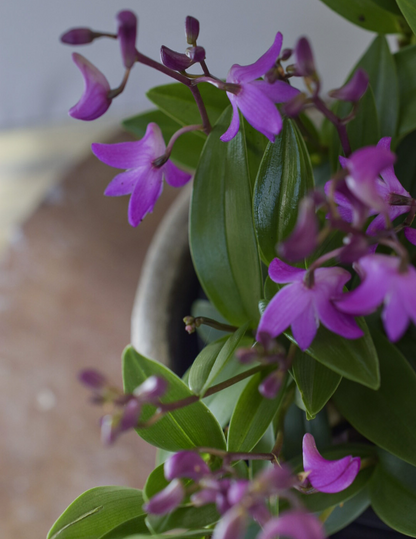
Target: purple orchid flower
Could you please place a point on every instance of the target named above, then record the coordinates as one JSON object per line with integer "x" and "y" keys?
{"x": 328, "y": 476}
{"x": 296, "y": 524}
{"x": 384, "y": 281}
{"x": 143, "y": 179}
{"x": 232, "y": 525}
{"x": 167, "y": 500}
{"x": 94, "y": 101}
{"x": 302, "y": 307}
{"x": 410, "y": 234}
{"x": 354, "y": 89}
{"x": 185, "y": 464}
{"x": 256, "y": 98}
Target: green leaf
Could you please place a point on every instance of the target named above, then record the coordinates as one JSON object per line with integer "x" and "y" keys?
{"x": 132, "y": 526}
{"x": 222, "y": 238}
{"x": 186, "y": 518}
{"x": 187, "y": 148}
{"x": 406, "y": 73}
{"x": 405, "y": 167}
{"x": 408, "y": 8}
{"x": 369, "y": 15}
{"x": 390, "y": 5}
{"x": 207, "y": 368}
{"x": 265, "y": 445}
{"x": 315, "y": 382}
{"x": 155, "y": 482}
{"x": 256, "y": 144}
{"x": 378, "y": 62}
{"x": 97, "y": 512}
{"x": 177, "y": 101}
{"x": 252, "y": 415}
{"x": 173, "y": 535}
{"x": 185, "y": 428}
{"x": 347, "y": 512}
{"x": 393, "y": 493}
{"x": 386, "y": 417}
{"x": 285, "y": 176}
{"x": 355, "y": 359}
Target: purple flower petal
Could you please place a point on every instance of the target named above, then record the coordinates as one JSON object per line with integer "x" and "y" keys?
{"x": 286, "y": 305}
{"x": 337, "y": 322}
{"x": 127, "y": 30}
{"x": 235, "y": 121}
{"x": 131, "y": 414}
{"x": 151, "y": 389}
{"x": 122, "y": 184}
{"x": 394, "y": 316}
{"x": 174, "y": 176}
{"x": 282, "y": 273}
{"x": 328, "y": 476}
{"x": 410, "y": 234}
{"x": 388, "y": 173}
{"x": 270, "y": 386}
{"x": 294, "y": 524}
{"x": 305, "y": 325}
{"x": 278, "y": 92}
{"x": 94, "y": 101}
{"x": 304, "y": 238}
{"x": 259, "y": 111}
{"x": 354, "y": 89}
{"x": 241, "y": 74}
{"x": 93, "y": 379}
{"x": 167, "y": 500}
{"x": 367, "y": 163}
{"x": 305, "y": 65}
{"x": 147, "y": 190}
{"x": 232, "y": 525}
{"x": 185, "y": 464}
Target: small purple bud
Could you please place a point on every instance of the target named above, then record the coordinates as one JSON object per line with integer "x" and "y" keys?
{"x": 232, "y": 525}
{"x": 151, "y": 389}
{"x": 356, "y": 246}
{"x": 92, "y": 379}
{"x": 270, "y": 386}
{"x": 109, "y": 429}
{"x": 410, "y": 234}
{"x": 167, "y": 500}
{"x": 354, "y": 89}
{"x": 305, "y": 65}
{"x": 94, "y": 101}
{"x": 237, "y": 491}
{"x": 126, "y": 33}
{"x": 274, "y": 480}
{"x": 191, "y": 30}
{"x": 295, "y": 106}
{"x": 247, "y": 355}
{"x": 185, "y": 464}
{"x": 304, "y": 238}
{"x": 196, "y": 54}
{"x": 79, "y": 36}
{"x": 130, "y": 416}
{"x": 174, "y": 60}
{"x": 266, "y": 340}
{"x": 286, "y": 54}
{"x": 190, "y": 326}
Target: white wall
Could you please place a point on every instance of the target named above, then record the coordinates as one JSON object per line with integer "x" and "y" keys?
{"x": 39, "y": 82}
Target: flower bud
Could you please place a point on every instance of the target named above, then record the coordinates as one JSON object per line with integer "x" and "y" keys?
{"x": 94, "y": 101}
{"x": 167, "y": 500}
{"x": 126, "y": 33}
{"x": 174, "y": 60}
{"x": 354, "y": 89}
{"x": 270, "y": 386}
{"x": 151, "y": 389}
{"x": 185, "y": 464}
{"x": 305, "y": 65}
{"x": 79, "y": 36}
{"x": 130, "y": 416}
{"x": 356, "y": 246}
{"x": 286, "y": 54}
{"x": 191, "y": 30}
{"x": 196, "y": 54}
{"x": 294, "y": 107}
{"x": 304, "y": 238}
{"x": 92, "y": 379}
{"x": 109, "y": 429}
{"x": 274, "y": 480}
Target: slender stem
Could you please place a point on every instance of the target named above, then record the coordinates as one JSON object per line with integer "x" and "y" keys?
{"x": 145, "y": 60}
{"x": 202, "y": 109}
{"x": 117, "y": 91}
{"x": 163, "y": 158}
{"x": 287, "y": 401}
{"x": 340, "y": 127}
{"x": 231, "y": 456}
{"x": 234, "y": 380}
{"x": 205, "y": 68}
{"x": 323, "y": 517}
{"x": 203, "y": 320}
{"x": 324, "y": 258}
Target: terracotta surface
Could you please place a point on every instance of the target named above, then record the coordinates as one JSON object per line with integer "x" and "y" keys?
{"x": 66, "y": 293}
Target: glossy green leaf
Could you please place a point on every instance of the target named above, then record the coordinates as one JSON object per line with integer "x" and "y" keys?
{"x": 187, "y": 148}
{"x": 406, "y": 73}
{"x": 368, "y": 14}
{"x": 408, "y": 8}
{"x": 315, "y": 382}
{"x": 405, "y": 166}
{"x": 393, "y": 493}
{"x": 285, "y": 176}
{"x": 296, "y": 425}
{"x": 256, "y": 144}
{"x": 206, "y": 370}
{"x": 177, "y": 101}
{"x": 390, "y": 5}
{"x": 201, "y": 367}
{"x": 185, "y": 428}
{"x": 265, "y": 445}
{"x": 186, "y": 518}
{"x": 378, "y": 63}
{"x": 155, "y": 482}
{"x": 252, "y": 415}
{"x": 386, "y": 417}
{"x": 133, "y": 526}
{"x": 347, "y": 512}
{"x": 97, "y": 512}
{"x": 173, "y": 535}
{"x": 222, "y": 238}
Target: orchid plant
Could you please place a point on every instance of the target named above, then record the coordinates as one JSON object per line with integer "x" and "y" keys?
{"x": 298, "y": 414}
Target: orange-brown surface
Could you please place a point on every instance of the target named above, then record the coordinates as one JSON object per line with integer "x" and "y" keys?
{"x": 66, "y": 293}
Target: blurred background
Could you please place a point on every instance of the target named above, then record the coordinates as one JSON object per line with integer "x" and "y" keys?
{"x": 69, "y": 262}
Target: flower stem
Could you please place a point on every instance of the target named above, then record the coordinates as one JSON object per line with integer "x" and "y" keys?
{"x": 338, "y": 123}
{"x": 231, "y": 456}
{"x": 160, "y": 161}
{"x": 145, "y": 60}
